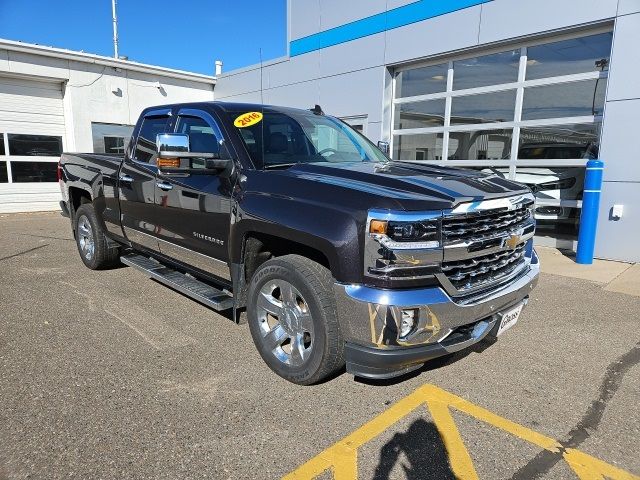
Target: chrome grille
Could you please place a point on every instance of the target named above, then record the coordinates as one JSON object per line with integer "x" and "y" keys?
{"x": 485, "y": 270}
{"x": 483, "y": 225}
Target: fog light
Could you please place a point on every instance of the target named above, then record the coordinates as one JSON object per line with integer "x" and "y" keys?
{"x": 409, "y": 319}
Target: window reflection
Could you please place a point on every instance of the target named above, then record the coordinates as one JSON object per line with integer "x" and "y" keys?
{"x": 35, "y": 145}
{"x": 422, "y": 81}
{"x": 480, "y": 145}
{"x": 109, "y": 137}
{"x": 567, "y": 57}
{"x": 559, "y": 142}
{"x": 420, "y": 114}
{"x": 573, "y": 99}
{"x": 3, "y": 172}
{"x": 486, "y": 70}
{"x": 418, "y": 147}
{"x": 488, "y": 107}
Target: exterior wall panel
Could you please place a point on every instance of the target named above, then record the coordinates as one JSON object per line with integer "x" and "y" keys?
{"x": 502, "y": 19}
{"x": 625, "y": 59}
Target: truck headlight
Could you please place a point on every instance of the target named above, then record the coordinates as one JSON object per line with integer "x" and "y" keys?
{"x": 396, "y": 234}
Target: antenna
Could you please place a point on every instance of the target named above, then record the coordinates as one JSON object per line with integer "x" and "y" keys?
{"x": 114, "y": 3}
{"x": 261, "y": 109}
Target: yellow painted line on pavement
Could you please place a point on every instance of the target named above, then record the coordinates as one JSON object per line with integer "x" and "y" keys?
{"x": 342, "y": 457}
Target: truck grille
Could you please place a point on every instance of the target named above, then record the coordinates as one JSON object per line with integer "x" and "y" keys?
{"x": 485, "y": 270}
{"x": 484, "y": 225}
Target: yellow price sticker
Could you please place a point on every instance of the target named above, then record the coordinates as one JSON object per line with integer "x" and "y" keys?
{"x": 247, "y": 119}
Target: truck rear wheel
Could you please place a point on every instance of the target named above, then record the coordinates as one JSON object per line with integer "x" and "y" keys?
{"x": 93, "y": 247}
{"x": 293, "y": 319}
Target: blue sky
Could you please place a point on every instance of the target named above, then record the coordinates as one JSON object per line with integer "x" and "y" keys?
{"x": 187, "y": 34}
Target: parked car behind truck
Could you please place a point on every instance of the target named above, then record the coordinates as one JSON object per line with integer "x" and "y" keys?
{"x": 338, "y": 254}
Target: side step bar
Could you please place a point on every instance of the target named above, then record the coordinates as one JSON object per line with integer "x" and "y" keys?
{"x": 184, "y": 283}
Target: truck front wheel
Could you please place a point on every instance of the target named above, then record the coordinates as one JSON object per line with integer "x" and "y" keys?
{"x": 93, "y": 247}
{"x": 293, "y": 319}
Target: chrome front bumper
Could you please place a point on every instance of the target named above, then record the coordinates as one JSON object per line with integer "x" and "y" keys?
{"x": 370, "y": 318}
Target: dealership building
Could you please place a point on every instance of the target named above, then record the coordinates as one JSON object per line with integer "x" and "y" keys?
{"x": 527, "y": 89}
{"x": 54, "y": 100}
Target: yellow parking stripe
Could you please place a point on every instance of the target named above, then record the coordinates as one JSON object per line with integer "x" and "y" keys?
{"x": 459, "y": 459}
{"x": 342, "y": 457}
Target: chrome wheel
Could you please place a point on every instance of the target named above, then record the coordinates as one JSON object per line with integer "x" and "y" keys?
{"x": 85, "y": 238}
{"x": 285, "y": 322}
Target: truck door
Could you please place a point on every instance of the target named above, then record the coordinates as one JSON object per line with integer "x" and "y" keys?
{"x": 137, "y": 182}
{"x": 195, "y": 210}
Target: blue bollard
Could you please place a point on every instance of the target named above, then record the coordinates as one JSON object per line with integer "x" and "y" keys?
{"x": 589, "y": 215}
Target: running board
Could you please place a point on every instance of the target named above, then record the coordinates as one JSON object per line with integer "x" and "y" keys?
{"x": 184, "y": 283}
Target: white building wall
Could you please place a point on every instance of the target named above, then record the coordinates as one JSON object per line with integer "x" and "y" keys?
{"x": 94, "y": 89}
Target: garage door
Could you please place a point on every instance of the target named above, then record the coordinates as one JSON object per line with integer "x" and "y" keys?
{"x": 31, "y": 133}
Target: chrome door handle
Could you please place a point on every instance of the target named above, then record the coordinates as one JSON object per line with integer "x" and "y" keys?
{"x": 126, "y": 179}
{"x": 164, "y": 186}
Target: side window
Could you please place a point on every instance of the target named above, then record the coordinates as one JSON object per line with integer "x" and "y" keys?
{"x": 146, "y": 144}
{"x": 202, "y": 138}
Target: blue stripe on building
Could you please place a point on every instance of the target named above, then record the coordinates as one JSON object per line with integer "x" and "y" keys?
{"x": 380, "y": 22}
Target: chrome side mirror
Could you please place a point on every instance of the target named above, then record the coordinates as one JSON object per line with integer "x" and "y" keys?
{"x": 172, "y": 143}
{"x": 383, "y": 147}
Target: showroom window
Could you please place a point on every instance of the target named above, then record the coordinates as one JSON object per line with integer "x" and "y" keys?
{"x": 110, "y": 138}
{"x": 531, "y": 113}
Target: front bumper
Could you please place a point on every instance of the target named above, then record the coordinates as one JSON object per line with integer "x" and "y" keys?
{"x": 371, "y": 317}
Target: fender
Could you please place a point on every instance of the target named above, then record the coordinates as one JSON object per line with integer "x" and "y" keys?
{"x": 323, "y": 227}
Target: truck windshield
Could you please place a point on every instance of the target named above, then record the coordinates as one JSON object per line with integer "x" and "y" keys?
{"x": 282, "y": 139}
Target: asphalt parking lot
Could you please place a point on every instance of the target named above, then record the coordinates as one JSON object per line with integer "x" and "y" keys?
{"x": 111, "y": 375}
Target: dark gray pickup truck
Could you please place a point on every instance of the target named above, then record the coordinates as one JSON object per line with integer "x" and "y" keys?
{"x": 338, "y": 254}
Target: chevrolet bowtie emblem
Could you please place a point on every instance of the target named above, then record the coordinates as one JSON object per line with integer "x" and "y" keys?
{"x": 512, "y": 241}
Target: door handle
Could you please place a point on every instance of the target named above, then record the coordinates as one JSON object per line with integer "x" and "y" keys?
{"x": 125, "y": 179}
{"x": 164, "y": 186}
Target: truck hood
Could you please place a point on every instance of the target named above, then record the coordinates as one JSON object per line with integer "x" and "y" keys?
{"x": 404, "y": 185}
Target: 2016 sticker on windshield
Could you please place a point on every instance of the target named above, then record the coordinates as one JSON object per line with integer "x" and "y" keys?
{"x": 247, "y": 119}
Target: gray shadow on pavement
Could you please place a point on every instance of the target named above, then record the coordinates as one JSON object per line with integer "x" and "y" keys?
{"x": 419, "y": 451}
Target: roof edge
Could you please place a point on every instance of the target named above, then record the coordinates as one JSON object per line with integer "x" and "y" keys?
{"x": 65, "y": 54}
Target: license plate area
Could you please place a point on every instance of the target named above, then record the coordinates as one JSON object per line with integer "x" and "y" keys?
{"x": 508, "y": 319}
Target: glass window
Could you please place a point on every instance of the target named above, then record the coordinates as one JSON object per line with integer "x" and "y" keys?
{"x": 420, "y": 114}
{"x": 146, "y": 144}
{"x": 110, "y": 137}
{"x": 201, "y": 136}
{"x": 573, "y": 99}
{"x": 484, "y": 108}
{"x": 486, "y": 70}
{"x": 292, "y": 137}
{"x": 4, "y": 178}
{"x": 426, "y": 146}
{"x": 1, "y": 143}
{"x": 422, "y": 81}
{"x": 559, "y": 142}
{"x": 480, "y": 145}
{"x": 28, "y": 172}
{"x": 558, "y": 191}
{"x": 35, "y": 145}
{"x": 567, "y": 57}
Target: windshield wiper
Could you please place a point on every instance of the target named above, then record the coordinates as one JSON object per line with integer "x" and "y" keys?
{"x": 279, "y": 165}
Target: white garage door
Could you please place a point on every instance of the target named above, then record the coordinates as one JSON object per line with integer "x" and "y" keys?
{"x": 31, "y": 136}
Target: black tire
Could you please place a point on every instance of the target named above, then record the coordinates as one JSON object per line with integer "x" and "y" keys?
{"x": 101, "y": 256}
{"x": 314, "y": 284}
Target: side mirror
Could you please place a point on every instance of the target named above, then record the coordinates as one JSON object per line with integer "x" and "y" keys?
{"x": 174, "y": 157}
{"x": 383, "y": 147}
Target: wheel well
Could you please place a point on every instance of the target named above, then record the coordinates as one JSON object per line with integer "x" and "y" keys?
{"x": 77, "y": 197}
{"x": 261, "y": 247}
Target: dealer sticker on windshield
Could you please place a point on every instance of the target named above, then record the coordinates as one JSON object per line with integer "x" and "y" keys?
{"x": 247, "y": 119}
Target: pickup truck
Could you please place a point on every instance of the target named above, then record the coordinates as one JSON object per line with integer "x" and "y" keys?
{"x": 339, "y": 255}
